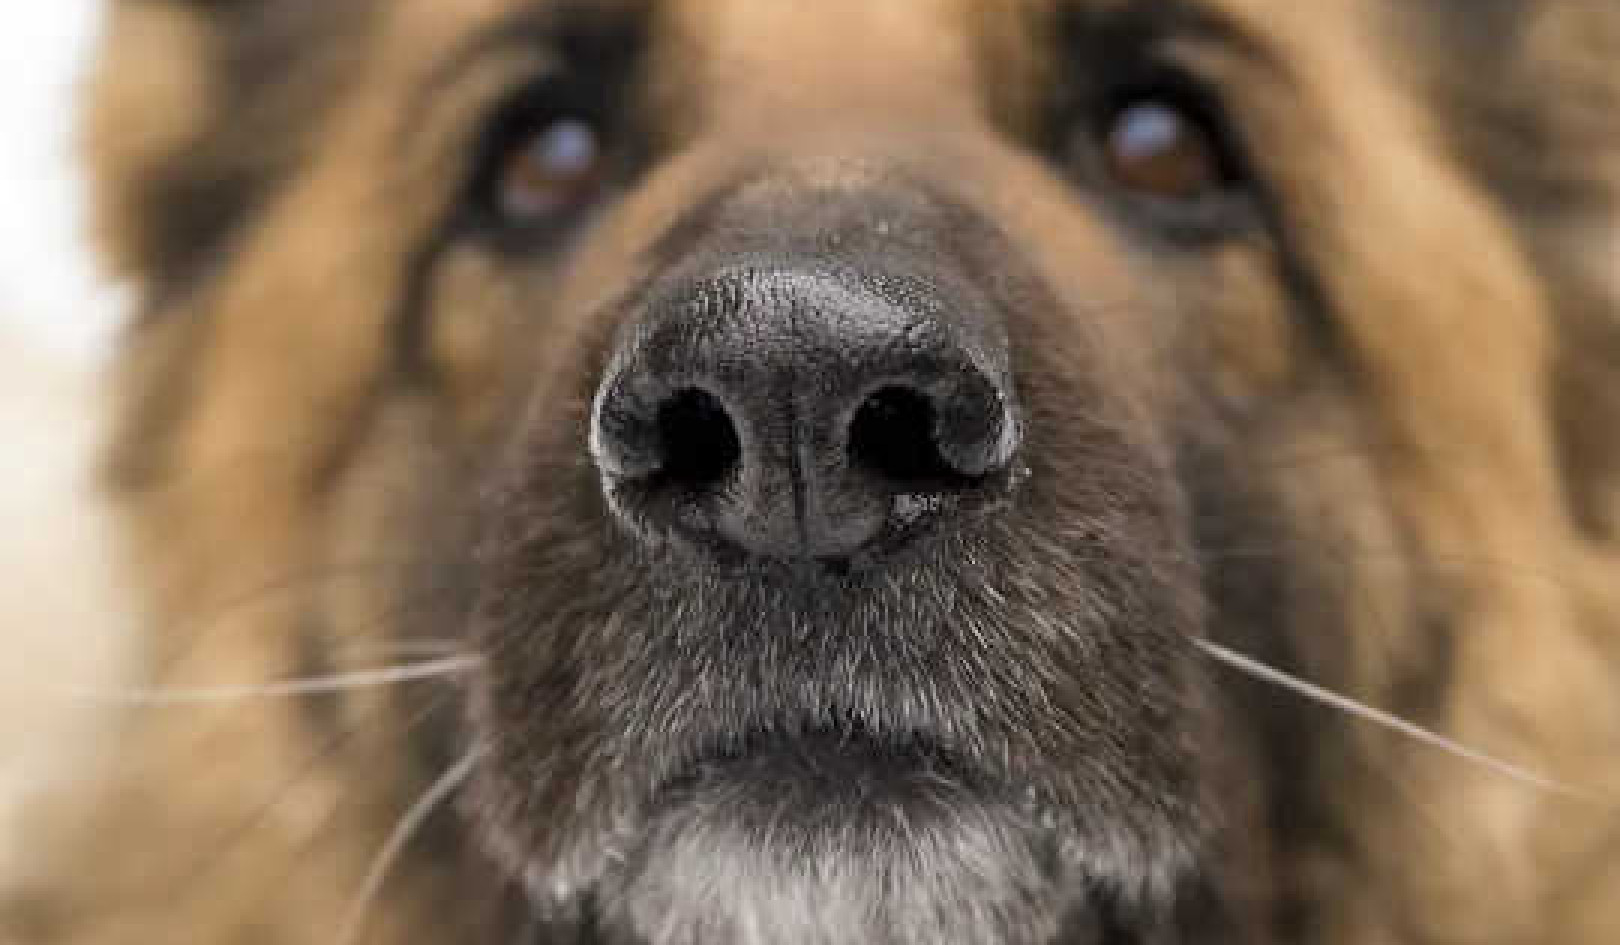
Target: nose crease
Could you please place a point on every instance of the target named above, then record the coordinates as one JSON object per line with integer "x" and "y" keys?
{"x": 797, "y": 471}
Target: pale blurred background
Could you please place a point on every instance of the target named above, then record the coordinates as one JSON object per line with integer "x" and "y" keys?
{"x": 60, "y": 620}
{"x": 47, "y": 294}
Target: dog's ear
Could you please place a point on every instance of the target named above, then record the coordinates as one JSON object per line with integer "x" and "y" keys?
{"x": 197, "y": 109}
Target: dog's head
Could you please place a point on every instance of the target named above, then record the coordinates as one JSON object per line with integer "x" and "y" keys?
{"x": 833, "y": 425}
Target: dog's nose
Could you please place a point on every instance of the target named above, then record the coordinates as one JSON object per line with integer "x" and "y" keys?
{"x": 798, "y": 413}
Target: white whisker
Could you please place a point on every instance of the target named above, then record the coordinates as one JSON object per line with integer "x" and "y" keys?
{"x": 402, "y": 835}
{"x": 316, "y": 685}
{"x": 1258, "y": 670}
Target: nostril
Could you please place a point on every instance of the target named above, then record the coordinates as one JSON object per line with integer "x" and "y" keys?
{"x": 697, "y": 440}
{"x": 894, "y": 434}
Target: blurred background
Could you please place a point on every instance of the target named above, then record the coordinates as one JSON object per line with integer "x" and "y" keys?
{"x": 59, "y": 613}
{"x": 49, "y": 300}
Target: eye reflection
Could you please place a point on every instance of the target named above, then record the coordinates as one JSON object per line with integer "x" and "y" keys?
{"x": 1156, "y": 148}
{"x": 552, "y": 171}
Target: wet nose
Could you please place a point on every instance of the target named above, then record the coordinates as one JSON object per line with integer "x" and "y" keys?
{"x": 800, "y": 413}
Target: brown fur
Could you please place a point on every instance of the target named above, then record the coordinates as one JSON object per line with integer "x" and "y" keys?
{"x": 1445, "y": 449}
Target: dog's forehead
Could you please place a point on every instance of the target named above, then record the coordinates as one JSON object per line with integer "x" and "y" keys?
{"x": 898, "y": 56}
{"x": 841, "y": 38}
{"x": 752, "y": 60}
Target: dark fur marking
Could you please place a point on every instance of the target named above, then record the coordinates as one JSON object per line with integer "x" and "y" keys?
{"x": 583, "y": 34}
{"x": 1241, "y": 535}
{"x": 409, "y": 364}
{"x": 199, "y": 201}
{"x": 313, "y": 660}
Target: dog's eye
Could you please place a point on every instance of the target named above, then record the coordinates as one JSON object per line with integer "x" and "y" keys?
{"x": 1157, "y": 148}
{"x": 556, "y": 168}
{"x": 549, "y": 156}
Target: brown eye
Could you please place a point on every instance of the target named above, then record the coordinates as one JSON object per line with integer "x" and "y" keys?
{"x": 557, "y": 169}
{"x": 1160, "y": 150}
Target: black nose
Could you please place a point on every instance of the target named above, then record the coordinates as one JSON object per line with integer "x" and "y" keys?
{"x": 799, "y": 413}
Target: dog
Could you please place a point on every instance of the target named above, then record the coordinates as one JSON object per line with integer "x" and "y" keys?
{"x": 756, "y": 473}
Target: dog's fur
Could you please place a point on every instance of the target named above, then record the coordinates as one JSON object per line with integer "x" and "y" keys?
{"x": 1363, "y": 427}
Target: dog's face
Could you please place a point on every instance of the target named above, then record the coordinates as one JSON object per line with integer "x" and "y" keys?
{"x": 838, "y": 639}
{"x": 833, "y": 426}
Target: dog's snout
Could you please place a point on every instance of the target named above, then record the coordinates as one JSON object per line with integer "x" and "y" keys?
{"x": 794, "y": 413}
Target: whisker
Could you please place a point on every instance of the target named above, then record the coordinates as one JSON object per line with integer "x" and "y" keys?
{"x": 408, "y": 826}
{"x": 1258, "y": 670}
{"x": 314, "y": 685}
{"x": 235, "y": 840}
{"x": 185, "y": 644}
